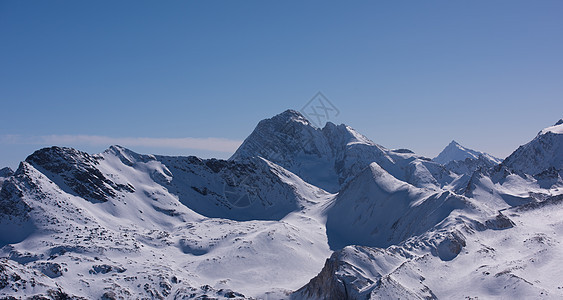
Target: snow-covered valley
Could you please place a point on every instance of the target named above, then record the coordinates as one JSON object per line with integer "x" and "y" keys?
{"x": 298, "y": 212}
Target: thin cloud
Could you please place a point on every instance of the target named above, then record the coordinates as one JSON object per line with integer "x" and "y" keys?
{"x": 209, "y": 144}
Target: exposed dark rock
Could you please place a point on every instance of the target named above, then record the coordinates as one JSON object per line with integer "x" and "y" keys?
{"x": 104, "y": 269}
{"x": 78, "y": 172}
{"x": 327, "y": 285}
{"x": 50, "y": 269}
{"x": 6, "y": 172}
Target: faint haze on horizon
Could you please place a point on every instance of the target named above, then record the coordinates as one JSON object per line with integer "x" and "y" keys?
{"x": 194, "y": 78}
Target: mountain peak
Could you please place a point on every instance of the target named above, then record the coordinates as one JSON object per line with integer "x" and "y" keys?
{"x": 116, "y": 148}
{"x": 557, "y": 128}
{"x": 289, "y": 116}
{"x": 6, "y": 172}
{"x": 59, "y": 155}
{"x": 283, "y": 133}
{"x": 456, "y": 152}
{"x": 540, "y": 154}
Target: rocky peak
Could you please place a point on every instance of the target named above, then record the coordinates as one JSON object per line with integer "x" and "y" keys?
{"x": 6, "y": 172}
{"x": 76, "y": 172}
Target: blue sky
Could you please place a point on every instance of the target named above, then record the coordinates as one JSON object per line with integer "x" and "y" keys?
{"x": 164, "y": 77}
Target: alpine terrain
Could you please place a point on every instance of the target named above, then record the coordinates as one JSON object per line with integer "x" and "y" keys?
{"x": 297, "y": 212}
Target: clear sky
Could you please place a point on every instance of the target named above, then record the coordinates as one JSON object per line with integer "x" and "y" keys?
{"x": 165, "y": 77}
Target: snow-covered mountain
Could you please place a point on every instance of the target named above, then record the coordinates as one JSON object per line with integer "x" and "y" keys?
{"x": 297, "y": 212}
{"x": 120, "y": 224}
{"x": 331, "y": 156}
{"x": 542, "y": 154}
{"x": 456, "y": 152}
{"x": 498, "y": 238}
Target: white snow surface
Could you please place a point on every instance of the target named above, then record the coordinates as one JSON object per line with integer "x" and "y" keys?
{"x": 557, "y": 128}
{"x": 393, "y": 224}
{"x": 456, "y": 152}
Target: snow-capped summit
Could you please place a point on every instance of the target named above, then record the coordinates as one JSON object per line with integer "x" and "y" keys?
{"x": 76, "y": 172}
{"x": 455, "y": 152}
{"x": 288, "y": 132}
{"x": 333, "y": 155}
{"x": 557, "y": 128}
{"x": 290, "y": 141}
{"x": 291, "y": 115}
{"x": 540, "y": 154}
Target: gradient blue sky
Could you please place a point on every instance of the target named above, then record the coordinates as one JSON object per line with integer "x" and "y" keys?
{"x": 409, "y": 74}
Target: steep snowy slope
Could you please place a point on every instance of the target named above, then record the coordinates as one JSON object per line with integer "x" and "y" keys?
{"x": 331, "y": 156}
{"x": 376, "y": 209}
{"x": 456, "y": 152}
{"x": 542, "y": 154}
{"x": 530, "y": 174}
{"x": 117, "y": 225}
{"x": 289, "y": 140}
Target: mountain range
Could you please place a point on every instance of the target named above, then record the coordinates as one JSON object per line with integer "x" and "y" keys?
{"x": 298, "y": 212}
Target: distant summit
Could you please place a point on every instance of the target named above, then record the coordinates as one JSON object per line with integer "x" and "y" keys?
{"x": 456, "y": 152}
{"x": 329, "y": 157}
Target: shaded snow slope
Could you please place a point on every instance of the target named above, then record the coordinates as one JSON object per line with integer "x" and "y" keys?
{"x": 248, "y": 190}
{"x": 376, "y": 209}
